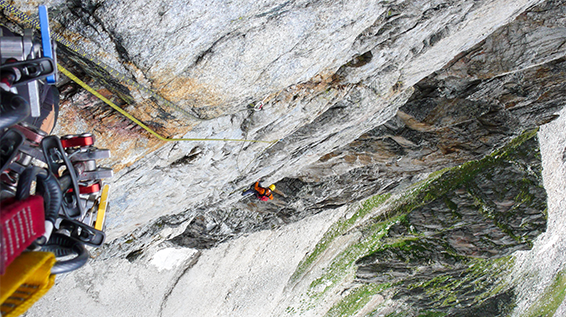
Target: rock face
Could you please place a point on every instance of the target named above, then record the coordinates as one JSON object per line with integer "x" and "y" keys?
{"x": 364, "y": 100}
{"x": 310, "y": 119}
{"x": 448, "y": 120}
{"x": 443, "y": 247}
{"x": 428, "y": 252}
{"x": 215, "y": 59}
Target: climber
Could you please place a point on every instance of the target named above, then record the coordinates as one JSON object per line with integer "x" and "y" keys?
{"x": 263, "y": 194}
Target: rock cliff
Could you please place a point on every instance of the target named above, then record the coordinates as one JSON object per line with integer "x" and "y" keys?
{"x": 404, "y": 137}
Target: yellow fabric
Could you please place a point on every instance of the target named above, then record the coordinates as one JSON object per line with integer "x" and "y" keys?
{"x": 25, "y": 281}
{"x": 101, "y": 213}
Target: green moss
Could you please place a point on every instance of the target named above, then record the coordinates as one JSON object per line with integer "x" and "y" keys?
{"x": 356, "y": 300}
{"x": 480, "y": 275}
{"x": 518, "y": 141}
{"x": 291, "y": 310}
{"x": 551, "y": 299}
{"x": 484, "y": 275}
{"x": 525, "y": 196}
{"x": 397, "y": 314}
{"x": 408, "y": 245}
{"x": 432, "y": 314}
{"x": 337, "y": 229}
{"x": 344, "y": 262}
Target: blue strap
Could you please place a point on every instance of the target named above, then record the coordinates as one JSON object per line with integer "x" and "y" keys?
{"x": 46, "y": 38}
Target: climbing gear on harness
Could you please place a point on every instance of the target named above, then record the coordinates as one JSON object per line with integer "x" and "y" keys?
{"x": 66, "y": 209}
{"x": 23, "y": 63}
{"x": 63, "y": 246}
{"x": 48, "y": 187}
{"x": 49, "y": 47}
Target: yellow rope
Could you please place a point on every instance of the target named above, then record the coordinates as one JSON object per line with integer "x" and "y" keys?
{"x": 136, "y": 121}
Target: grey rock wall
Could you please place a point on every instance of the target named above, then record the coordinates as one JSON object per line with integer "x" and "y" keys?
{"x": 310, "y": 116}
{"x": 447, "y": 121}
{"x": 363, "y": 98}
{"x": 495, "y": 211}
{"x": 227, "y": 55}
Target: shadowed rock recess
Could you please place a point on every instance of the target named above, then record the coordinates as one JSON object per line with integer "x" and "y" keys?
{"x": 406, "y": 131}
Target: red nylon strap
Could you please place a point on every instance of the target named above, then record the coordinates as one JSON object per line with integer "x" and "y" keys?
{"x": 21, "y": 223}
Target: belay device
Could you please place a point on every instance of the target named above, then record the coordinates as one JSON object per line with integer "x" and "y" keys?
{"x": 52, "y": 197}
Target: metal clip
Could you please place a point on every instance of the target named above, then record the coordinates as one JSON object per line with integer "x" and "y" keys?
{"x": 82, "y": 232}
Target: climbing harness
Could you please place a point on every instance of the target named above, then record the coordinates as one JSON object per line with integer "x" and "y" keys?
{"x": 52, "y": 196}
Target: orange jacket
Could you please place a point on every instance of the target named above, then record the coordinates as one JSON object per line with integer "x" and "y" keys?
{"x": 263, "y": 192}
